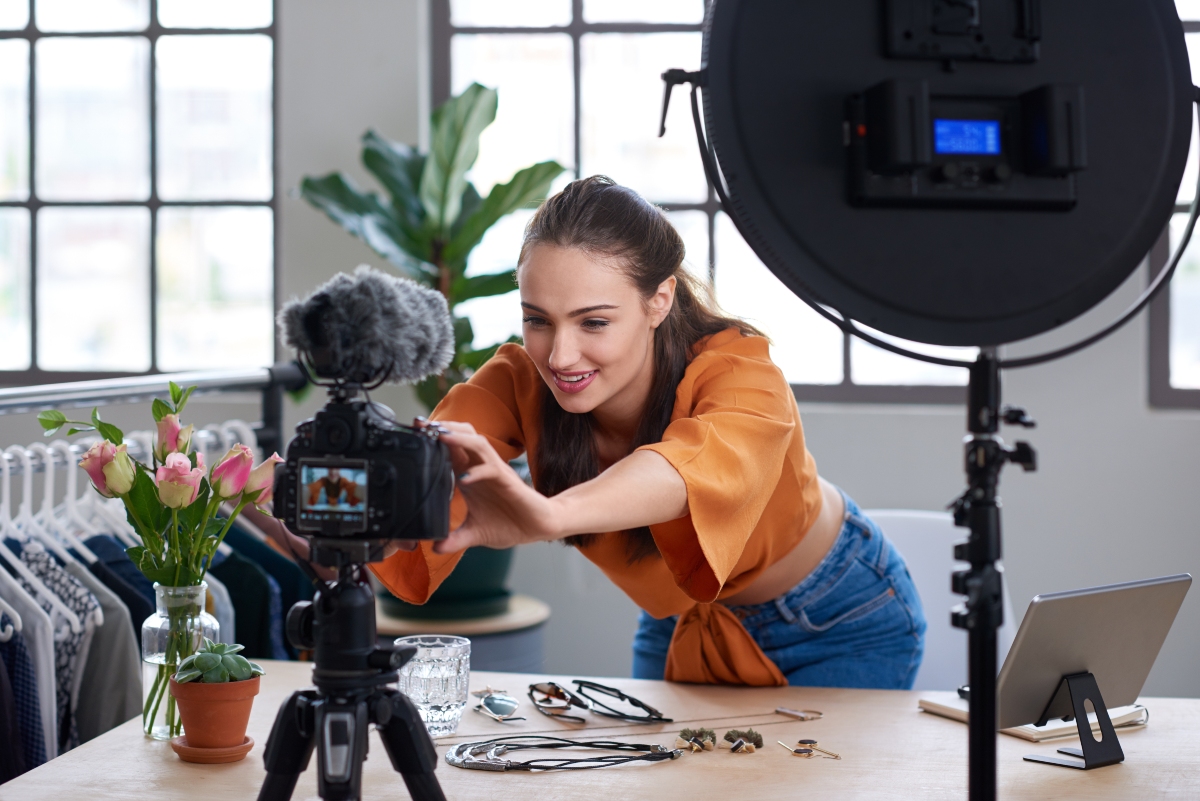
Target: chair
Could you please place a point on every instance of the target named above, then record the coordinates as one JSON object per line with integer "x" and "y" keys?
{"x": 926, "y": 540}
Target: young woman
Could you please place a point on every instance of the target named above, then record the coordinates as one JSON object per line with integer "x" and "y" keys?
{"x": 667, "y": 448}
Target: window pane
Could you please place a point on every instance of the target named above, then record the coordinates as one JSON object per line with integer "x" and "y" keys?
{"x": 1188, "y": 9}
{"x": 14, "y": 289}
{"x": 93, "y": 119}
{"x": 497, "y": 318}
{"x": 622, "y": 102}
{"x": 214, "y": 288}
{"x": 93, "y": 15}
{"x": 214, "y": 117}
{"x": 1187, "y": 186}
{"x": 14, "y": 110}
{"x": 806, "y": 347}
{"x": 14, "y": 14}
{"x": 526, "y": 13}
{"x": 93, "y": 289}
{"x": 872, "y": 365}
{"x": 535, "y": 115}
{"x": 1185, "y": 311}
{"x": 693, "y": 227}
{"x": 214, "y": 13}
{"x": 683, "y": 11}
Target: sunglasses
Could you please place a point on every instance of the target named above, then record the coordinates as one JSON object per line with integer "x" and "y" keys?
{"x": 497, "y": 705}
{"x": 555, "y": 701}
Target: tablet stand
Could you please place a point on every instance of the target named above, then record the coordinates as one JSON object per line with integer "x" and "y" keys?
{"x": 1080, "y": 687}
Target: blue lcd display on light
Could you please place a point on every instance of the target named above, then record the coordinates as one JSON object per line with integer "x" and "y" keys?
{"x": 966, "y": 137}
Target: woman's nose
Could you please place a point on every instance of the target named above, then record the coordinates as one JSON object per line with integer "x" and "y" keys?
{"x": 565, "y": 354}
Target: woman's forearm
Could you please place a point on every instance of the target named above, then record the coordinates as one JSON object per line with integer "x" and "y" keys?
{"x": 640, "y": 490}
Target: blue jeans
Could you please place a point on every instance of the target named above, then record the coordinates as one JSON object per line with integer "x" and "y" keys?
{"x": 855, "y": 621}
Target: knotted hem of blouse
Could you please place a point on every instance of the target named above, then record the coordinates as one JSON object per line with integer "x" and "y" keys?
{"x": 711, "y": 646}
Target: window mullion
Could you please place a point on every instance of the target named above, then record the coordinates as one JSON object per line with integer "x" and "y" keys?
{"x": 152, "y": 206}
{"x": 33, "y": 201}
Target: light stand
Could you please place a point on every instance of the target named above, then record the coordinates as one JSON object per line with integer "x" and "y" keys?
{"x": 351, "y": 675}
{"x": 978, "y": 509}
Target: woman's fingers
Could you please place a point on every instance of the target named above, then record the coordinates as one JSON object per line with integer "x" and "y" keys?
{"x": 460, "y": 539}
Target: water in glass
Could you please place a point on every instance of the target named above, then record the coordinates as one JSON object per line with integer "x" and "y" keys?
{"x": 436, "y": 679}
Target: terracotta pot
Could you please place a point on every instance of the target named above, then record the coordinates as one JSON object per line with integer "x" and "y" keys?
{"x": 215, "y": 715}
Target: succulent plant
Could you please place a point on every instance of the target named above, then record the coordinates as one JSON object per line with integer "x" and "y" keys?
{"x": 216, "y": 663}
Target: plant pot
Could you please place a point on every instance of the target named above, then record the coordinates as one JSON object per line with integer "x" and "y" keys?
{"x": 215, "y": 715}
{"x": 475, "y": 589}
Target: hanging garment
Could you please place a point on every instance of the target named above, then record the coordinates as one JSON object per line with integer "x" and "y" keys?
{"x": 278, "y": 649}
{"x": 294, "y": 586}
{"x": 222, "y": 608}
{"x": 250, "y": 590}
{"x": 70, "y": 648}
{"x": 138, "y": 607}
{"x": 38, "y": 633}
{"x": 27, "y": 708}
{"x": 110, "y": 690}
{"x": 112, "y": 553}
{"x": 12, "y": 760}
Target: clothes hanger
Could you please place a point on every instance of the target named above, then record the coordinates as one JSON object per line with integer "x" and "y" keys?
{"x": 14, "y": 626}
{"x": 46, "y": 514}
{"x": 69, "y": 508}
{"x": 7, "y": 529}
{"x": 24, "y": 521}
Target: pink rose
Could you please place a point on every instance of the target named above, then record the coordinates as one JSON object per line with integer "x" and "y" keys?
{"x": 262, "y": 481}
{"x": 172, "y": 438}
{"x": 179, "y": 482}
{"x": 99, "y": 455}
{"x": 230, "y": 474}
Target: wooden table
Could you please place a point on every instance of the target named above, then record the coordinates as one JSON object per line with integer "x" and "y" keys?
{"x": 889, "y": 750}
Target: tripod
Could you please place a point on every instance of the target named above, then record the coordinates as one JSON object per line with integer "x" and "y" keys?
{"x": 350, "y": 675}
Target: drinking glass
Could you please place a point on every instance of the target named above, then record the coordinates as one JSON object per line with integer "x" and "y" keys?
{"x": 436, "y": 679}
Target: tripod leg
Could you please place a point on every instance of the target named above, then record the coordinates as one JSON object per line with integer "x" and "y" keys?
{"x": 289, "y": 747}
{"x": 409, "y": 745}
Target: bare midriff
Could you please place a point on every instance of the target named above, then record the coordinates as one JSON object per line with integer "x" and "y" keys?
{"x": 801, "y": 560}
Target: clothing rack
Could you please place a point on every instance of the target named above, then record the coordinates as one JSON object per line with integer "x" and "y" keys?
{"x": 271, "y": 382}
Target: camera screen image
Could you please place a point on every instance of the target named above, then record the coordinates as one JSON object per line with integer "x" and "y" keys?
{"x": 333, "y": 491}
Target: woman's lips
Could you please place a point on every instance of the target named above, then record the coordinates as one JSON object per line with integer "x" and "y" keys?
{"x": 574, "y": 382}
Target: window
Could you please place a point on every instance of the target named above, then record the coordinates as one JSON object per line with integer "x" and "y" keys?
{"x": 579, "y": 82}
{"x": 1175, "y": 313}
{"x": 137, "y": 186}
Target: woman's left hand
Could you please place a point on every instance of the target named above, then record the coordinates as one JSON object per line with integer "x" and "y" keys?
{"x": 502, "y": 510}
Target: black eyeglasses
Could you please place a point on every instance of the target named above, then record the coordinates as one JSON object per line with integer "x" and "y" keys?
{"x": 556, "y": 701}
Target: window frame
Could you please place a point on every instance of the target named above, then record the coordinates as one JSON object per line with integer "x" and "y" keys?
{"x": 441, "y": 33}
{"x": 153, "y": 32}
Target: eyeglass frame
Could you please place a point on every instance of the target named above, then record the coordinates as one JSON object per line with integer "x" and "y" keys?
{"x": 579, "y": 698}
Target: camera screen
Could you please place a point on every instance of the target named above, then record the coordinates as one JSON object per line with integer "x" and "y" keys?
{"x": 967, "y": 137}
{"x": 333, "y": 492}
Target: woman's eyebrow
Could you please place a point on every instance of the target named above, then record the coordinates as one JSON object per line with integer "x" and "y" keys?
{"x": 576, "y": 313}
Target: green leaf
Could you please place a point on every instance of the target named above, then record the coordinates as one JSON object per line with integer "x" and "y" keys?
{"x": 366, "y": 217}
{"x": 528, "y": 186}
{"x": 176, "y": 392}
{"x": 206, "y": 661}
{"x": 188, "y": 661}
{"x": 146, "y": 511}
{"x": 257, "y": 669}
{"x": 238, "y": 667}
{"x": 456, "y": 124}
{"x": 52, "y": 420}
{"x": 183, "y": 399}
{"x": 463, "y": 332}
{"x": 483, "y": 286}
{"x": 398, "y": 168}
{"x": 471, "y": 201}
{"x": 474, "y": 359}
{"x": 159, "y": 409}
{"x": 184, "y": 676}
{"x": 110, "y": 433}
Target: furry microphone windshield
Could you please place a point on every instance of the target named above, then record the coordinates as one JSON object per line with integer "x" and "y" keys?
{"x": 370, "y": 327}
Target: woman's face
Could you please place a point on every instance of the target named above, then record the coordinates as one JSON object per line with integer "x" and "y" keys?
{"x": 588, "y": 329}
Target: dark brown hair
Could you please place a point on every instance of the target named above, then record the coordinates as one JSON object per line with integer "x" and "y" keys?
{"x": 615, "y": 223}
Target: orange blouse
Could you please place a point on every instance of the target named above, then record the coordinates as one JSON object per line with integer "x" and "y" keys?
{"x": 735, "y": 438}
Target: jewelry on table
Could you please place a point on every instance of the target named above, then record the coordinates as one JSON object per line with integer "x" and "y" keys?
{"x": 486, "y": 755}
{"x": 807, "y": 753}
{"x": 813, "y": 745}
{"x": 696, "y": 739}
{"x": 740, "y": 742}
{"x": 800, "y": 714}
{"x": 497, "y": 705}
{"x": 553, "y": 700}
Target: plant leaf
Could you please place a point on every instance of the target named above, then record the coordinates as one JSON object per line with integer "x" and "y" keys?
{"x": 51, "y": 420}
{"x": 184, "y": 676}
{"x": 398, "y": 168}
{"x": 474, "y": 359}
{"x": 160, "y": 409}
{"x": 529, "y": 185}
{"x": 183, "y": 399}
{"x": 463, "y": 333}
{"x": 471, "y": 201}
{"x": 457, "y": 124}
{"x": 110, "y": 433}
{"x": 176, "y": 392}
{"x": 483, "y": 286}
{"x": 366, "y": 217}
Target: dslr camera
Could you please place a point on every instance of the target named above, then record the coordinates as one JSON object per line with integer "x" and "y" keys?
{"x": 352, "y": 473}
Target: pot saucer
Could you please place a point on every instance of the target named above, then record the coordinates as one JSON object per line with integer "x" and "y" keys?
{"x": 210, "y": 756}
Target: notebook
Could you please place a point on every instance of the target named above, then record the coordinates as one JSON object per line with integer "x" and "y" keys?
{"x": 949, "y": 705}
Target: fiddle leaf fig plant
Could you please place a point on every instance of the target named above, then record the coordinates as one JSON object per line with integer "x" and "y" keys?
{"x": 217, "y": 663}
{"x": 433, "y": 217}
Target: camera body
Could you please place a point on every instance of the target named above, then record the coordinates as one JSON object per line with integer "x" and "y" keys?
{"x": 353, "y": 473}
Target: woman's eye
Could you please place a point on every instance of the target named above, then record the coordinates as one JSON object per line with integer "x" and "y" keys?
{"x": 594, "y": 325}
{"x": 534, "y": 321}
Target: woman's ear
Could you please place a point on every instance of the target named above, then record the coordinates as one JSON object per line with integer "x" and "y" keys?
{"x": 661, "y": 301}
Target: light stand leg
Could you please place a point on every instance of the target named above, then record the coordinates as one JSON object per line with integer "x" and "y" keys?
{"x": 978, "y": 509}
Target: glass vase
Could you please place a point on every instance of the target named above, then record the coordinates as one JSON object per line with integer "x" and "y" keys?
{"x": 174, "y": 632}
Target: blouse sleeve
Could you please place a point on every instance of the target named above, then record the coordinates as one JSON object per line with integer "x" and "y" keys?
{"x": 488, "y": 401}
{"x": 730, "y": 451}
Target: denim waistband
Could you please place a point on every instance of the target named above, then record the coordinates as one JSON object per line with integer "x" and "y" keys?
{"x": 855, "y": 528}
